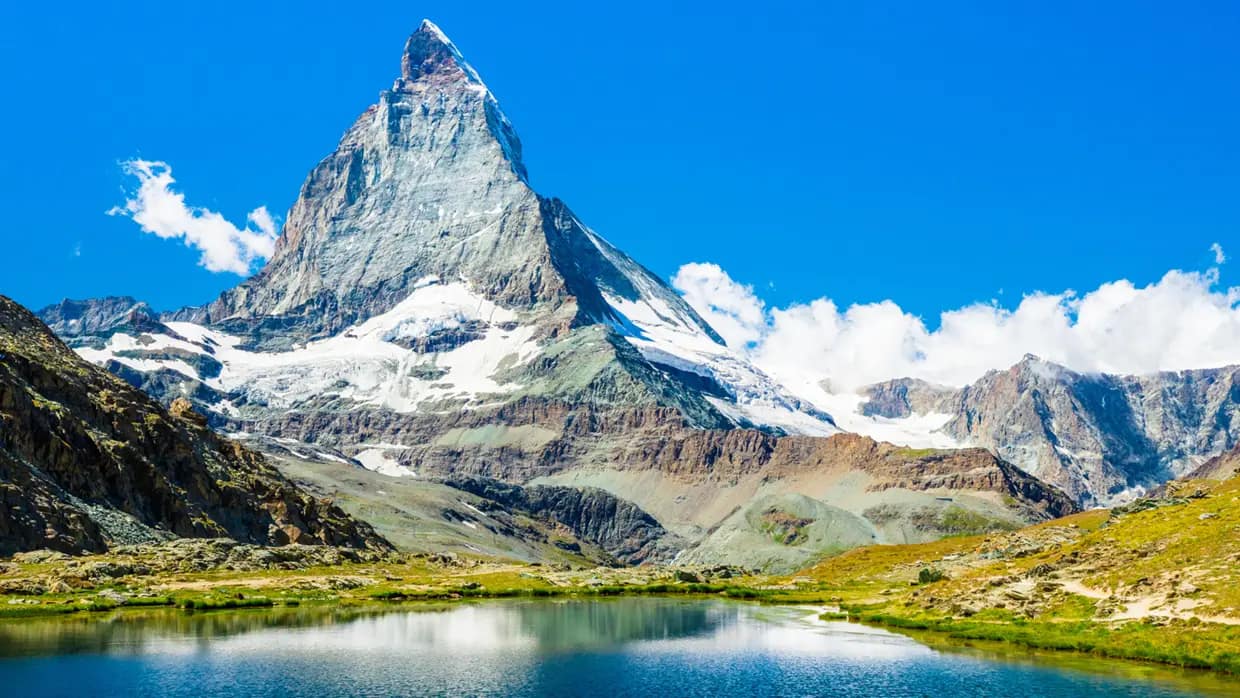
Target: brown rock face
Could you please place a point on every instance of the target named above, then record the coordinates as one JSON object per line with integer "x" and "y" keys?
{"x": 86, "y": 460}
{"x": 659, "y": 439}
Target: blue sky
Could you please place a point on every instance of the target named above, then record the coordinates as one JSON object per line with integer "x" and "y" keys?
{"x": 932, "y": 153}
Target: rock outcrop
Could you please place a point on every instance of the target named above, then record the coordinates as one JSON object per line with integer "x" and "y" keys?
{"x": 905, "y": 397}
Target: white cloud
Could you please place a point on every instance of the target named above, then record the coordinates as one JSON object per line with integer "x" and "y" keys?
{"x": 732, "y": 309}
{"x": 1219, "y": 256}
{"x": 161, "y": 211}
{"x": 1184, "y": 320}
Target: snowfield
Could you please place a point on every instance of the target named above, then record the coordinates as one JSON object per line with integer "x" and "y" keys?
{"x": 665, "y": 338}
{"x": 367, "y": 365}
{"x": 361, "y": 364}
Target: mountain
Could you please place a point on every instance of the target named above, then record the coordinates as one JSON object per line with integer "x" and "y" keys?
{"x": 94, "y": 318}
{"x": 419, "y": 271}
{"x": 1103, "y": 439}
{"x": 87, "y": 461}
{"x": 426, "y": 312}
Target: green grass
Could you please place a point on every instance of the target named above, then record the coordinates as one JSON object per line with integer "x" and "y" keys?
{"x": 1183, "y": 644}
{"x": 212, "y": 603}
{"x": 958, "y": 521}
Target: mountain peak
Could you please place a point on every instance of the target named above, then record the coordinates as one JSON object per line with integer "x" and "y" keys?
{"x": 430, "y": 53}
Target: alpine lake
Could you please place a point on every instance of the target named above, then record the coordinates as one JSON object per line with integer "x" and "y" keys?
{"x": 614, "y": 647}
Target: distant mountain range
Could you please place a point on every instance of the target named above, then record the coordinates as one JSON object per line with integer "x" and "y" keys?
{"x": 1103, "y": 439}
{"x": 428, "y": 316}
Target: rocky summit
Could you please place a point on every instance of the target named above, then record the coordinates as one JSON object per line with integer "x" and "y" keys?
{"x": 428, "y": 314}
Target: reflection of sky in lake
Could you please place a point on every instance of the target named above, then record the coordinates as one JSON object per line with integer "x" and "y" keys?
{"x": 637, "y": 647}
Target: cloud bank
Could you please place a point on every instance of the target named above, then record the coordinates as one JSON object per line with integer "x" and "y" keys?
{"x": 1184, "y": 320}
{"x": 159, "y": 210}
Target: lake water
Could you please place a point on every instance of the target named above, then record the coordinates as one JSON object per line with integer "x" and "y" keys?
{"x": 622, "y": 647}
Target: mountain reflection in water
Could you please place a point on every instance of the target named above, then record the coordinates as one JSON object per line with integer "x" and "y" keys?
{"x": 629, "y": 646}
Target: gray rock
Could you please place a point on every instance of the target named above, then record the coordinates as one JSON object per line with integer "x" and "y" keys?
{"x": 1103, "y": 439}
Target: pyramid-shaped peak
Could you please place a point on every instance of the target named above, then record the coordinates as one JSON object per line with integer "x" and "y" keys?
{"x": 429, "y": 52}
{"x": 429, "y": 27}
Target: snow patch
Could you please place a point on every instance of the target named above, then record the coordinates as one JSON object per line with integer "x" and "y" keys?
{"x": 379, "y": 460}
{"x": 668, "y": 338}
{"x": 915, "y": 431}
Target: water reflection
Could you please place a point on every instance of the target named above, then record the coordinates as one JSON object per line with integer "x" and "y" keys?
{"x": 633, "y": 647}
{"x": 541, "y": 625}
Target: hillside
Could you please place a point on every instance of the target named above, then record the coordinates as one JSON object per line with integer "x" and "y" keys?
{"x": 1157, "y": 579}
{"x": 87, "y": 462}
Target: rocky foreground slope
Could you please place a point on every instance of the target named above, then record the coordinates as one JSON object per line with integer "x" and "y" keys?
{"x": 1221, "y": 467}
{"x": 87, "y": 461}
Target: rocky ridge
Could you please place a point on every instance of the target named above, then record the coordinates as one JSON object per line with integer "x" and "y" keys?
{"x": 1104, "y": 439}
{"x": 619, "y": 527}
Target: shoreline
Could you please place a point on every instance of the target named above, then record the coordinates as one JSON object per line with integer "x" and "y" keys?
{"x": 1143, "y": 645}
{"x": 1082, "y": 640}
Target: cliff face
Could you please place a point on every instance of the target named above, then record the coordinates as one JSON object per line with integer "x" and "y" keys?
{"x": 87, "y": 461}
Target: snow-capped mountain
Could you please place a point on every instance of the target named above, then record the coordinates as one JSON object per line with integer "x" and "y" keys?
{"x": 1104, "y": 439}
{"x": 428, "y": 315}
{"x": 418, "y": 273}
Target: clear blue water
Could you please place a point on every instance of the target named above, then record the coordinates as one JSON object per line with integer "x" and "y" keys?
{"x": 623, "y": 647}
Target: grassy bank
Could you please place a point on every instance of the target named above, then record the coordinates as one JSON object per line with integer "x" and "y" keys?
{"x": 1155, "y": 581}
{"x": 1180, "y": 643}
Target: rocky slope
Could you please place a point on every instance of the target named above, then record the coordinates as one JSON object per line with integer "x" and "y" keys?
{"x": 1154, "y": 580}
{"x": 432, "y": 517}
{"x": 1153, "y": 561}
{"x": 618, "y": 527}
{"x": 1104, "y": 439}
{"x": 753, "y": 499}
{"x": 1224, "y": 466}
{"x": 87, "y": 461}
